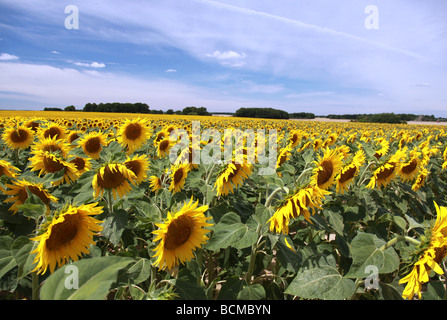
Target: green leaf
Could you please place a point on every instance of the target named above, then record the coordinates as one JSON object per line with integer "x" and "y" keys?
{"x": 95, "y": 278}
{"x": 231, "y": 288}
{"x": 252, "y": 292}
{"x": 187, "y": 286}
{"x": 114, "y": 226}
{"x": 21, "y": 251}
{"x": 335, "y": 219}
{"x": 231, "y": 232}
{"x": 366, "y": 251}
{"x": 33, "y": 207}
{"x": 140, "y": 271}
{"x": 321, "y": 281}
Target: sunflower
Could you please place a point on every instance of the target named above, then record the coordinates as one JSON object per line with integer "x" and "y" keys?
{"x": 349, "y": 172}
{"x": 232, "y": 175}
{"x": 433, "y": 250}
{"x": 51, "y": 144}
{"x": 384, "y": 147}
{"x": 92, "y": 143}
{"x": 420, "y": 179}
{"x": 139, "y": 165}
{"x": 283, "y": 156}
{"x": 52, "y": 130}
{"x": 82, "y": 164}
{"x": 178, "y": 176}
{"x": 294, "y": 138}
{"x": 409, "y": 169}
{"x": 294, "y": 205}
{"x": 133, "y": 133}
{"x": 20, "y": 137}
{"x": 326, "y": 168}
{"x": 19, "y": 192}
{"x": 386, "y": 172}
{"x": 113, "y": 177}
{"x": 180, "y": 234}
{"x": 73, "y": 136}
{"x": 163, "y": 147}
{"x": 67, "y": 235}
{"x": 155, "y": 183}
{"x": 7, "y": 169}
{"x": 48, "y": 162}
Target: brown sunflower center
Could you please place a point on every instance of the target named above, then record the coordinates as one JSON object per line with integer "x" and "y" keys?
{"x": 23, "y": 194}
{"x": 385, "y": 173}
{"x": 163, "y": 146}
{"x": 110, "y": 179}
{"x": 133, "y": 131}
{"x": 79, "y": 163}
{"x": 51, "y": 165}
{"x": 134, "y": 166}
{"x": 93, "y": 145}
{"x": 53, "y": 132}
{"x": 326, "y": 174}
{"x": 178, "y": 175}
{"x": 409, "y": 168}
{"x": 19, "y": 135}
{"x": 179, "y": 231}
{"x": 348, "y": 174}
{"x": 73, "y": 137}
{"x": 64, "y": 232}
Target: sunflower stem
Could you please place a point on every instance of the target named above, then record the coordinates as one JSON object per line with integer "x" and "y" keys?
{"x": 397, "y": 239}
{"x": 302, "y": 174}
{"x": 364, "y": 172}
{"x": 254, "y": 252}
{"x": 110, "y": 202}
{"x": 35, "y": 286}
{"x": 269, "y": 200}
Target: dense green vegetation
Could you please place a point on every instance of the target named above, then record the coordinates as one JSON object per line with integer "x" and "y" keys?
{"x": 268, "y": 113}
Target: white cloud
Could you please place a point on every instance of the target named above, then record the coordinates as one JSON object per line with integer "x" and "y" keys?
{"x": 170, "y": 70}
{"x": 229, "y": 54}
{"x": 55, "y": 52}
{"x": 69, "y": 86}
{"x": 90, "y": 65}
{"x": 7, "y": 56}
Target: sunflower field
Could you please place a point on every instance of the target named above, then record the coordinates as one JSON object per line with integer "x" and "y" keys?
{"x": 94, "y": 206}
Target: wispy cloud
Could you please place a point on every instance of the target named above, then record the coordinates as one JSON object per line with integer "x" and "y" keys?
{"x": 90, "y": 65}
{"x": 7, "y": 56}
{"x": 170, "y": 70}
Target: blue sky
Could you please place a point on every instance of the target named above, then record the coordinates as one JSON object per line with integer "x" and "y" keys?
{"x": 299, "y": 56}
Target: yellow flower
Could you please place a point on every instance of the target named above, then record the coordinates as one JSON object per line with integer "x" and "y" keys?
{"x": 113, "y": 177}
{"x": 18, "y": 137}
{"x": 68, "y": 235}
{"x": 7, "y": 169}
{"x": 349, "y": 172}
{"x": 326, "y": 168}
{"x": 133, "y": 133}
{"x": 19, "y": 192}
{"x": 48, "y": 162}
{"x": 430, "y": 259}
{"x": 300, "y": 203}
{"x": 178, "y": 177}
{"x": 139, "y": 165}
{"x": 232, "y": 176}
{"x": 180, "y": 234}
{"x": 155, "y": 183}
{"x": 92, "y": 143}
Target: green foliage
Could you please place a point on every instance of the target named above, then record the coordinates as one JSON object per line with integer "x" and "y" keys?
{"x": 267, "y": 113}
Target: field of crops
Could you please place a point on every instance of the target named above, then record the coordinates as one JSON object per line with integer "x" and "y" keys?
{"x": 114, "y": 206}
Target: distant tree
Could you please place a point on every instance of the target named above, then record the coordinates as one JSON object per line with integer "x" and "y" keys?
{"x": 170, "y": 111}
{"x": 52, "y": 109}
{"x": 202, "y": 111}
{"x": 70, "y": 108}
{"x": 268, "y": 113}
